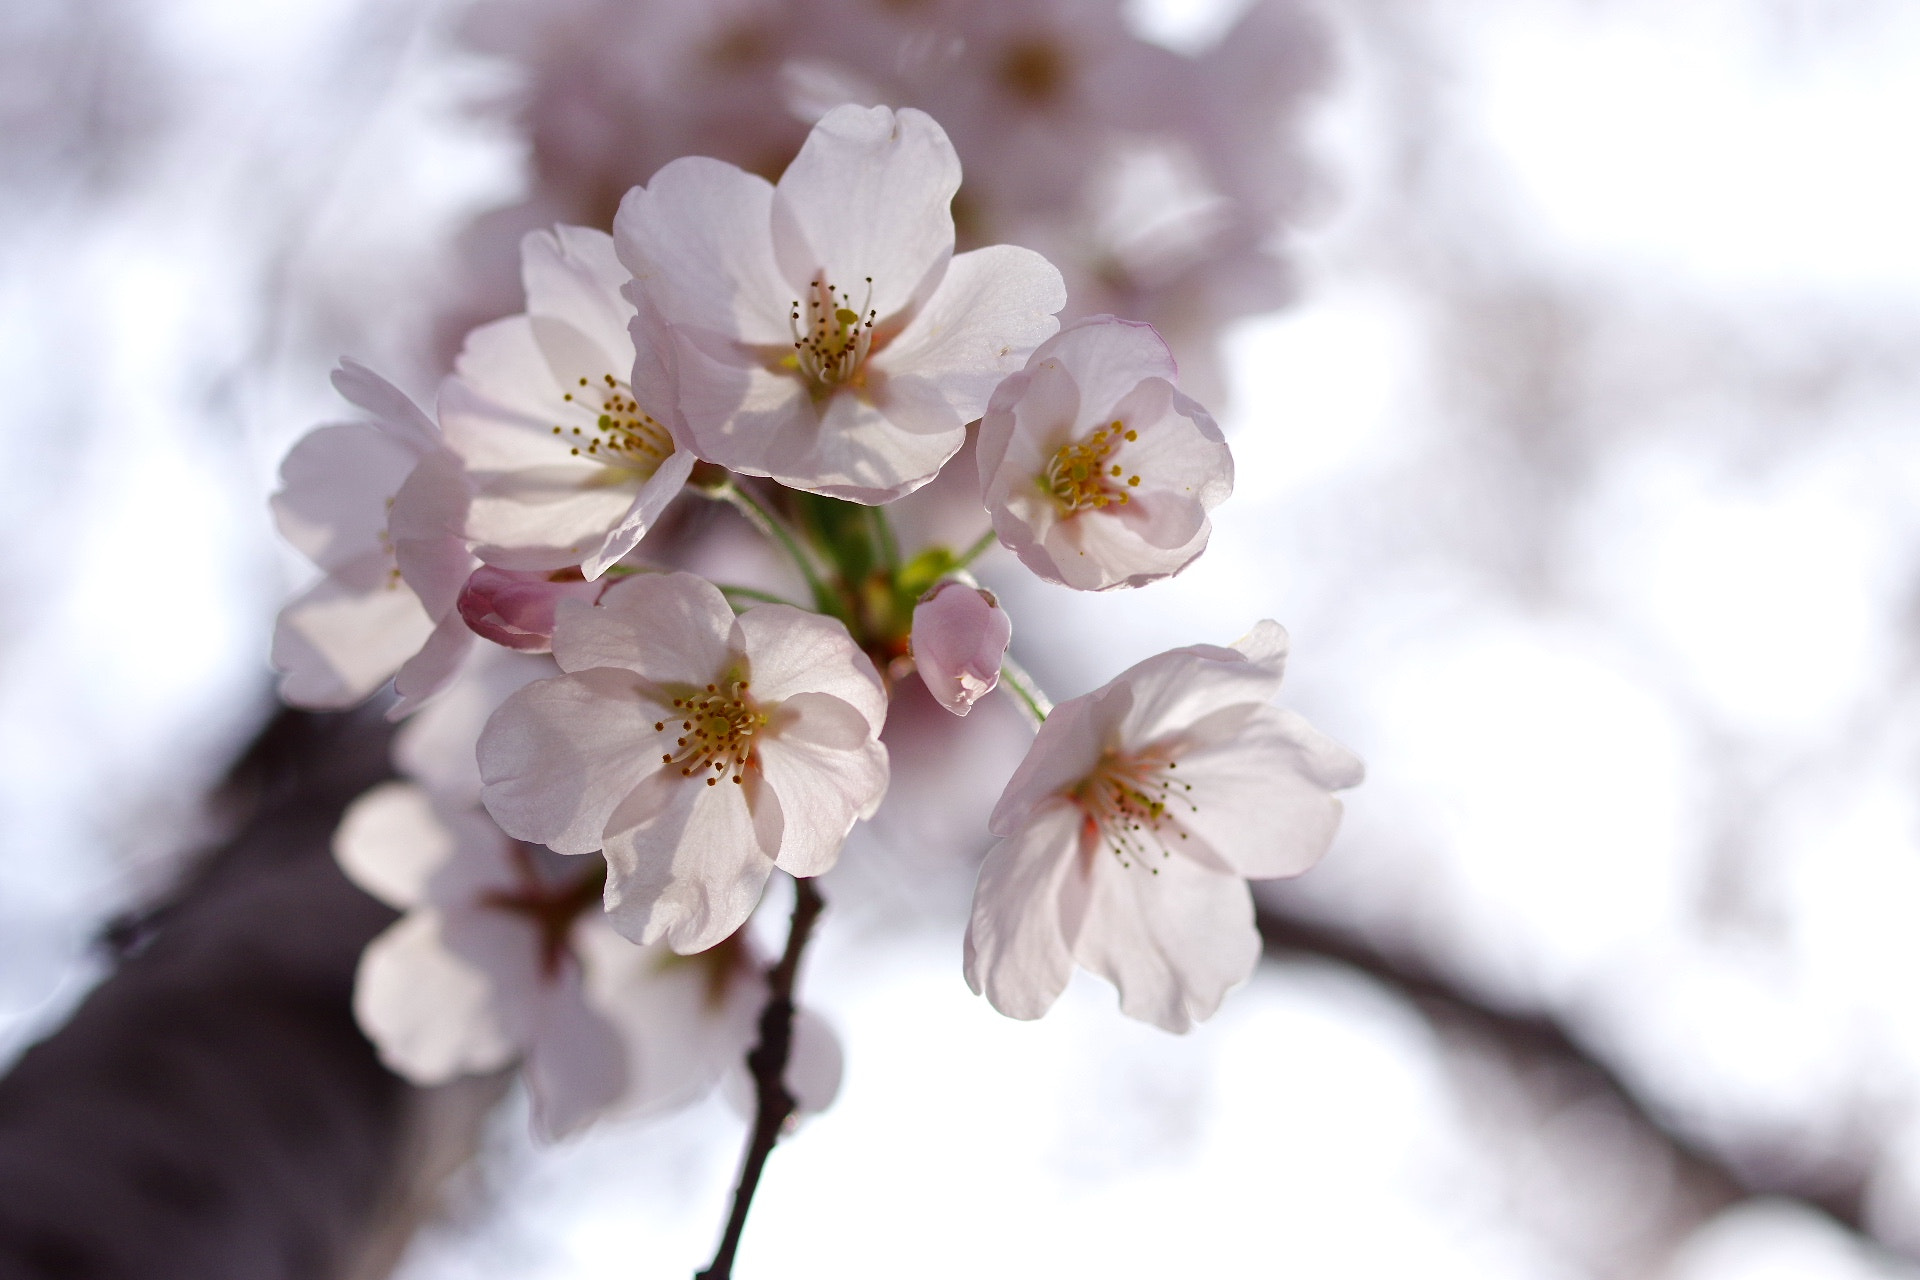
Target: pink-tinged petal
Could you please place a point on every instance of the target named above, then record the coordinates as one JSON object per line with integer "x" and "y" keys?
{"x": 1175, "y": 690}
{"x": 1262, "y": 797}
{"x": 1064, "y": 752}
{"x": 432, "y": 669}
{"x": 517, "y": 609}
{"x": 551, "y": 516}
{"x": 661, "y": 488}
{"x": 996, "y": 427}
{"x": 561, "y": 755}
{"x": 1097, "y": 551}
{"x": 684, "y": 863}
{"x": 573, "y": 274}
{"x": 499, "y": 408}
{"x": 672, "y": 628}
{"x": 1180, "y": 447}
{"x": 335, "y": 486}
{"x": 736, "y": 411}
{"x": 993, "y": 307}
{"x": 815, "y": 1064}
{"x": 391, "y": 409}
{"x": 854, "y": 450}
{"x": 1018, "y": 953}
{"x": 435, "y": 747}
{"x": 820, "y": 757}
{"x": 333, "y": 646}
{"x": 425, "y": 525}
{"x": 960, "y": 638}
{"x": 430, "y": 1011}
{"x": 1174, "y": 942}
{"x": 1107, "y": 358}
{"x": 390, "y": 842}
{"x": 867, "y": 198}
{"x": 576, "y": 1064}
{"x": 698, "y": 241}
{"x": 1265, "y": 646}
{"x": 790, "y": 651}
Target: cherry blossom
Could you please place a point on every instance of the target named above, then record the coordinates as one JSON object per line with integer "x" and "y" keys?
{"x": 1098, "y": 472}
{"x": 378, "y": 506}
{"x": 1130, "y": 830}
{"x": 503, "y": 955}
{"x": 823, "y": 332}
{"x": 699, "y": 750}
{"x": 568, "y": 466}
{"x": 960, "y": 637}
{"x": 517, "y": 608}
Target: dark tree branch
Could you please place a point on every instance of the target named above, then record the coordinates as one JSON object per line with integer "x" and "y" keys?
{"x": 774, "y": 1103}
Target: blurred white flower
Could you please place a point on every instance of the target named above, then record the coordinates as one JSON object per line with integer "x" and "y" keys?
{"x": 378, "y": 505}
{"x": 823, "y": 331}
{"x": 1098, "y": 472}
{"x": 1132, "y": 825}
{"x": 960, "y": 638}
{"x": 503, "y": 955}
{"x": 567, "y": 466}
{"x": 698, "y": 749}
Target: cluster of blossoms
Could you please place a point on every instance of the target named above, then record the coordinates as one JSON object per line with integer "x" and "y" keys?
{"x": 596, "y": 729}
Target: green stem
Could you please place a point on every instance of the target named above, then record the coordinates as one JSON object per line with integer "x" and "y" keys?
{"x": 884, "y": 541}
{"x": 752, "y": 593}
{"x": 973, "y": 552}
{"x": 775, "y": 529}
{"x": 1016, "y": 679}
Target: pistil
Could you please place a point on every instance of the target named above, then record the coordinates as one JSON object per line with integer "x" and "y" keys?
{"x": 623, "y": 435}
{"x": 1081, "y": 475}
{"x": 716, "y": 732}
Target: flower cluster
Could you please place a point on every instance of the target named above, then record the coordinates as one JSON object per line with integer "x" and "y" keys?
{"x": 612, "y": 754}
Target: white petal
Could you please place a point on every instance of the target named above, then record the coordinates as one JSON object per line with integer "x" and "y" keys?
{"x": 333, "y": 646}
{"x": 428, "y": 516}
{"x": 868, "y": 198}
{"x": 661, "y": 488}
{"x": 684, "y": 863}
{"x": 551, "y": 516}
{"x": 1107, "y": 358}
{"x": 815, "y": 1063}
{"x": 432, "y": 669}
{"x": 790, "y": 651}
{"x": 429, "y": 1011}
{"x": 672, "y": 628}
{"x": 820, "y": 757}
{"x": 392, "y": 410}
{"x": 1174, "y": 690}
{"x": 336, "y": 484}
{"x": 390, "y": 842}
{"x": 1063, "y": 753}
{"x": 1266, "y": 645}
{"x": 993, "y": 307}
{"x": 561, "y": 755}
{"x": 698, "y": 240}
{"x": 435, "y": 747}
{"x": 574, "y": 274}
{"x": 1174, "y": 942}
{"x": 1017, "y": 950}
{"x": 576, "y": 1064}
{"x": 1263, "y": 798}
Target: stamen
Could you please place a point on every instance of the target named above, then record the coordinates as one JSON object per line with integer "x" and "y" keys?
{"x": 832, "y": 340}
{"x": 623, "y": 435}
{"x": 717, "y": 735}
{"x": 1078, "y": 475}
{"x": 1132, "y": 800}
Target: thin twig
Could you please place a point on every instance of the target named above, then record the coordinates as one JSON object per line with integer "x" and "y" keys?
{"x": 756, "y": 595}
{"x": 773, "y": 1102}
{"x": 975, "y": 551}
{"x": 775, "y": 529}
{"x": 1035, "y": 703}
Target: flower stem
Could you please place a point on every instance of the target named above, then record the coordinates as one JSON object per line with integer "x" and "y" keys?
{"x": 885, "y": 546}
{"x": 775, "y": 529}
{"x": 1015, "y": 677}
{"x": 773, "y": 1102}
{"x": 756, "y": 595}
{"x": 973, "y": 552}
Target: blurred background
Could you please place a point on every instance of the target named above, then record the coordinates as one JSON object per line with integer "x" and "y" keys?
{"x": 1570, "y": 352}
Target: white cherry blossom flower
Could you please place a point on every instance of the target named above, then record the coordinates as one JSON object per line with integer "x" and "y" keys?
{"x": 518, "y": 608}
{"x": 568, "y": 466}
{"x": 504, "y": 955}
{"x": 1130, "y": 830}
{"x": 823, "y": 331}
{"x": 378, "y": 506}
{"x": 1098, "y": 472}
{"x": 960, "y": 638}
{"x": 698, "y": 749}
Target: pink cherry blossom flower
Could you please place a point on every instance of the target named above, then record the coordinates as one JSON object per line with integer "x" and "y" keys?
{"x": 823, "y": 332}
{"x": 1130, "y": 830}
{"x": 960, "y": 638}
{"x": 699, "y": 750}
{"x": 516, "y": 608}
{"x": 378, "y": 506}
{"x": 1097, "y": 471}
{"x": 568, "y": 466}
{"x": 504, "y": 955}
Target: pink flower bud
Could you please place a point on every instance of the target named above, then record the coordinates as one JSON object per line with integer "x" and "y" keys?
{"x": 516, "y": 608}
{"x": 960, "y": 635}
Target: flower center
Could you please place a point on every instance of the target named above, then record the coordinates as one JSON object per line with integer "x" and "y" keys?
{"x": 1081, "y": 476}
{"x": 716, "y": 732}
{"x": 622, "y": 435}
{"x": 1130, "y": 800}
{"x": 831, "y": 339}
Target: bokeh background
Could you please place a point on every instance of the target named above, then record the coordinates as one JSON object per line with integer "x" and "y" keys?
{"x": 1581, "y": 465}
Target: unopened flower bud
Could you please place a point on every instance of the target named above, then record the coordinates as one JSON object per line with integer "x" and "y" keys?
{"x": 960, "y": 636}
{"x": 516, "y": 608}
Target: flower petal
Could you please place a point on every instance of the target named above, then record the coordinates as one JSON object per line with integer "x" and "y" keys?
{"x": 433, "y": 668}
{"x": 1017, "y": 950}
{"x": 868, "y": 198}
{"x": 573, "y": 274}
{"x": 390, "y": 842}
{"x": 1065, "y": 751}
{"x": 684, "y": 863}
{"x": 335, "y": 486}
{"x": 820, "y": 757}
{"x": 576, "y": 1063}
{"x": 1264, "y": 798}
{"x": 672, "y": 628}
{"x": 790, "y": 651}
{"x": 697, "y": 239}
{"x": 334, "y": 646}
{"x": 429, "y": 1011}
{"x": 662, "y": 487}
